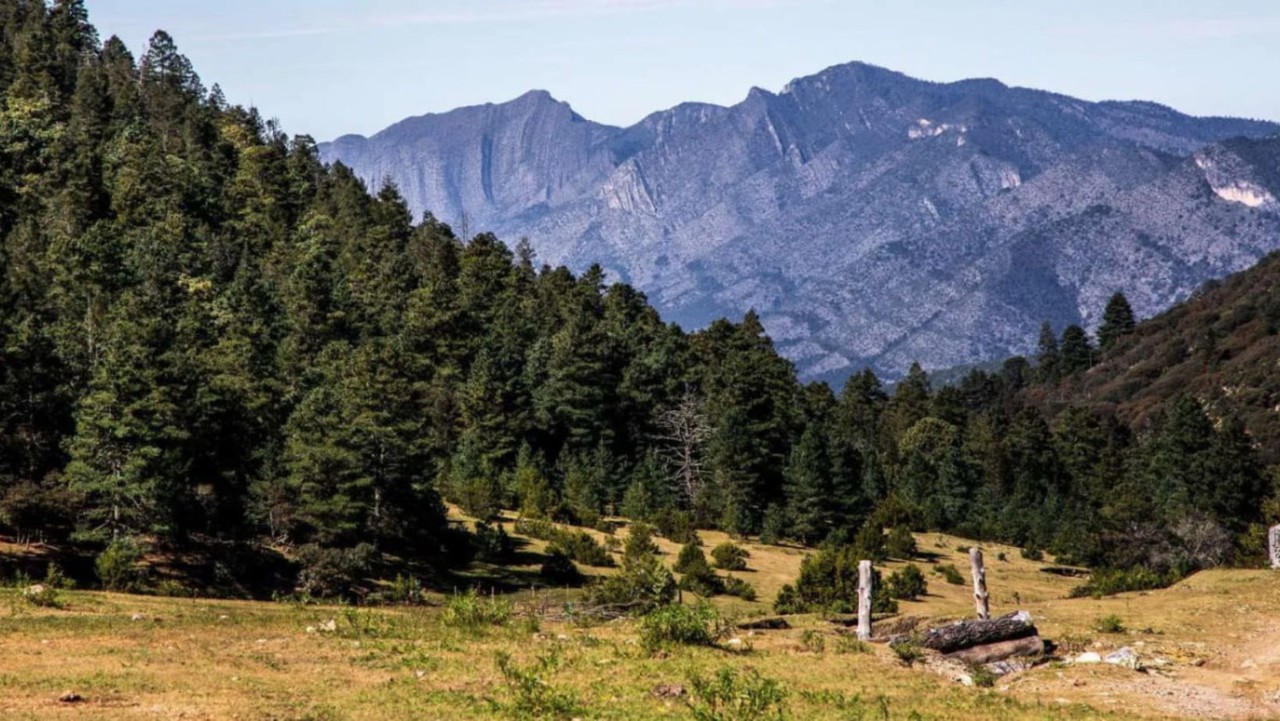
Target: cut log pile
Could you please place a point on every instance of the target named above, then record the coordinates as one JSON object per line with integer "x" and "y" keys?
{"x": 981, "y": 641}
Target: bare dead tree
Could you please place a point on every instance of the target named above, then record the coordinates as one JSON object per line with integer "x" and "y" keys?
{"x": 685, "y": 432}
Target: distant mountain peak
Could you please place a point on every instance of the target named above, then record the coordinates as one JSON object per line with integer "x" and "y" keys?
{"x": 870, "y": 217}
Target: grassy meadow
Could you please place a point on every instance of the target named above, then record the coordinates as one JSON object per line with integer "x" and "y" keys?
{"x": 1212, "y": 645}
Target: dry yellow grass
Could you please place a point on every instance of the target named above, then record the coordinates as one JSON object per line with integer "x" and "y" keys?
{"x": 243, "y": 660}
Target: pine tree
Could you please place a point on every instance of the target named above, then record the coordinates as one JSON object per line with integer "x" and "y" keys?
{"x": 1117, "y": 322}
{"x": 1076, "y": 351}
{"x": 1048, "y": 363}
{"x": 810, "y": 493}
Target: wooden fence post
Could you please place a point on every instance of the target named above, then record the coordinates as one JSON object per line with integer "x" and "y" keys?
{"x": 864, "y": 600}
{"x": 980, "y": 598}
{"x": 1275, "y": 547}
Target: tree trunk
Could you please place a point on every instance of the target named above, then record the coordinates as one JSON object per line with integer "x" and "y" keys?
{"x": 864, "y": 600}
{"x": 966, "y": 634}
{"x": 1275, "y": 547}
{"x": 980, "y": 597}
{"x": 1000, "y": 650}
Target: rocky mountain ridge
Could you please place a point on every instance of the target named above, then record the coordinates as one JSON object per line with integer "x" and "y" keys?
{"x": 869, "y": 217}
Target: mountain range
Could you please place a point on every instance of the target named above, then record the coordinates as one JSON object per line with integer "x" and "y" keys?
{"x": 870, "y": 218}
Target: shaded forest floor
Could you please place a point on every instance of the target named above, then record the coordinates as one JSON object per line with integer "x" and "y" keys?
{"x": 1211, "y": 645}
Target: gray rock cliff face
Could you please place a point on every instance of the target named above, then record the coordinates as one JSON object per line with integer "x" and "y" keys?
{"x": 869, "y": 218}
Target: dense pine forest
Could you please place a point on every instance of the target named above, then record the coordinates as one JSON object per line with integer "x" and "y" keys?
{"x": 209, "y": 337}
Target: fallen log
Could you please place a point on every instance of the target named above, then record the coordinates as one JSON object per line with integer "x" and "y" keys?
{"x": 1000, "y": 650}
{"x": 966, "y": 634}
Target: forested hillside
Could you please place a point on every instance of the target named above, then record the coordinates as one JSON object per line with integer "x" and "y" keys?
{"x": 210, "y": 336}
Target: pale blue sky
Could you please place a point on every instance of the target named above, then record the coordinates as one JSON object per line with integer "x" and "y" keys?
{"x": 328, "y": 67}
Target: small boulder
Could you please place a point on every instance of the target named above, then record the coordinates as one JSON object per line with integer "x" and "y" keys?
{"x": 1125, "y": 657}
{"x": 668, "y": 690}
{"x": 1088, "y": 657}
{"x": 329, "y": 626}
{"x": 70, "y": 697}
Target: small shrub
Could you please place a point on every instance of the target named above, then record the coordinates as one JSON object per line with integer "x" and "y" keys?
{"x": 117, "y": 565}
{"x": 675, "y": 526}
{"x": 539, "y": 528}
{"x": 691, "y": 556}
{"x": 1108, "y": 582}
{"x": 786, "y": 601}
{"x": 639, "y": 542}
{"x": 642, "y": 586}
{"x": 470, "y": 610}
{"x": 581, "y": 547}
{"x": 731, "y": 695}
{"x": 531, "y": 694}
{"x": 558, "y": 570}
{"x": 1108, "y": 624}
{"x": 982, "y": 676}
{"x": 1002, "y": 556}
{"x": 1031, "y": 553}
{"x": 491, "y": 543}
{"x": 812, "y": 642}
{"x": 47, "y": 593}
{"x": 696, "y": 575}
{"x": 900, "y": 543}
{"x": 907, "y": 584}
{"x": 680, "y": 625}
{"x": 846, "y": 643}
{"x": 908, "y": 651}
{"x": 734, "y": 586}
{"x": 730, "y": 556}
{"x": 949, "y": 573}
{"x": 402, "y": 590}
{"x": 333, "y": 572}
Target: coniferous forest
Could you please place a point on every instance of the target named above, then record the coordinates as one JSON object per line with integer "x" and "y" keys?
{"x": 209, "y": 337}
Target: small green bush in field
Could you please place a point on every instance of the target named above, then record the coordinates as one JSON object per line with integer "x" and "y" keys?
{"x": 679, "y": 625}
{"x": 907, "y": 584}
{"x": 949, "y": 573}
{"x": 734, "y": 586}
{"x": 730, "y": 695}
{"x": 730, "y": 556}
{"x": 531, "y": 694}
{"x": 47, "y": 593}
{"x": 812, "y": 642}
{"x": 470, "y": 610}
{"x": 851, "y": 644}
{"x": 117, "y": 565}
{"x": 1109, "y": 624}
{"x": 900, "y": 543}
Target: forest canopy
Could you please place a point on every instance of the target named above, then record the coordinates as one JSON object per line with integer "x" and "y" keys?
{"x": 209, "y": 335}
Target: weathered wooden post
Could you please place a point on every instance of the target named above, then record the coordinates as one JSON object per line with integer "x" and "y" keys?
{"x": 1275, "y": 547}
{"x": 864, "y": 600}
{"x": 980, "y": 598}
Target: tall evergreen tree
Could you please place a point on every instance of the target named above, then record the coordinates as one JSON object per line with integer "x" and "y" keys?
{"x": 1117, "y": 321}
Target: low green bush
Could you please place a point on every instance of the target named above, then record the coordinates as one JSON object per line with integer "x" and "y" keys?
{"x": 949, "y": 573}
{"x": 900, "y": 543}
{"x": 681, "y": 625}
{"x": 491, "y": 543}
{"x": 1108, "y": 582}
{"x": 530, "y": 693}
{"x": 558, "y": 570}
{"x": 1109, "y": 624}
{"x": 118, "y": 565}
{"x": 732, "y": 695}
{"x": 907, "y": 584}
{"x": 734, "y": 586}
{"x": 730, "y": 556}
{"x": 470, "y": 610}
